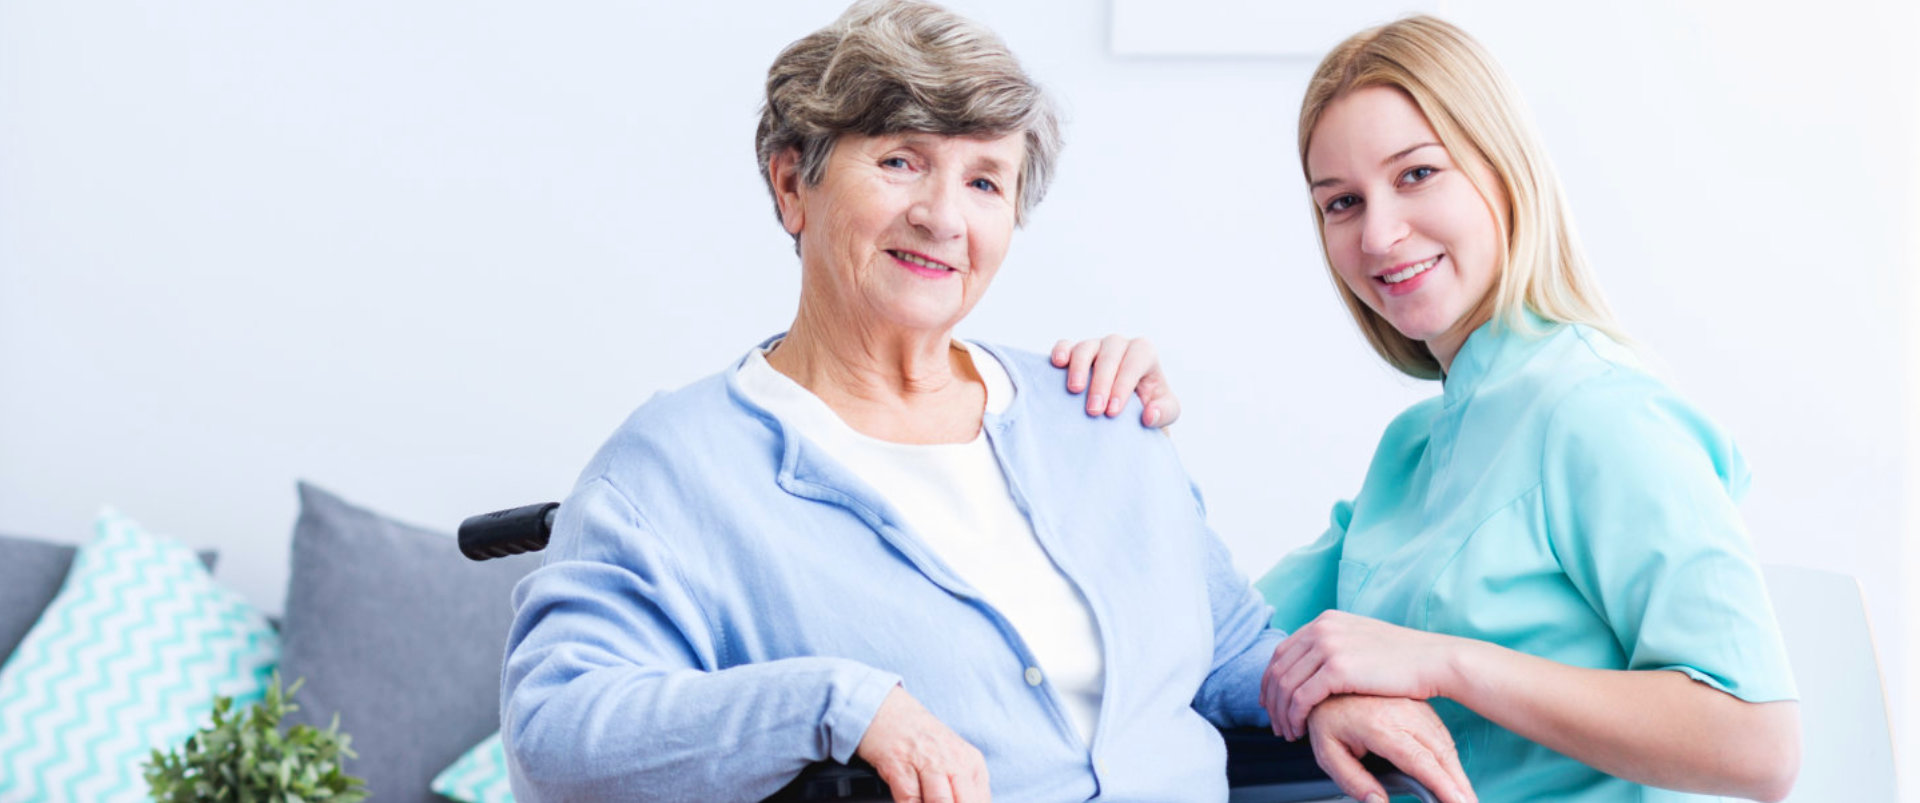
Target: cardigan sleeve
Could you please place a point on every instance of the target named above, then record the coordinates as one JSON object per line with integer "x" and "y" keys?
{"x": 1243, "y": 643}
{"x": 613, "y": 687}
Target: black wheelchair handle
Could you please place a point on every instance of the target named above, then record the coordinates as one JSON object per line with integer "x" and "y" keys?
{"x": 507, "y": 532}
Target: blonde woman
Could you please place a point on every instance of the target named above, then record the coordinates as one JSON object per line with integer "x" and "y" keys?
{"x": 1549, "y": 551}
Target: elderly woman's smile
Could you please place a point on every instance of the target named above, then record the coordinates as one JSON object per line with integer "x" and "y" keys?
{"x": 905, "y": 230}
{"x": 922, "y": 264}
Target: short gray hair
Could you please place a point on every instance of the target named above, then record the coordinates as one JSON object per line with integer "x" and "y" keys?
{"x": 887, "y": 66}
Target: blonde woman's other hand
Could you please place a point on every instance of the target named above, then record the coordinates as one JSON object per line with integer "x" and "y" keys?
{"x": 1344, "y": 653}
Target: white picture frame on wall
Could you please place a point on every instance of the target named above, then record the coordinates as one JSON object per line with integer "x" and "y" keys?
{"x": 1247, "y": 28}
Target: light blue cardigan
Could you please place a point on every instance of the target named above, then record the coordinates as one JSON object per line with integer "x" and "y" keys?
{"x": 721, "y": 605}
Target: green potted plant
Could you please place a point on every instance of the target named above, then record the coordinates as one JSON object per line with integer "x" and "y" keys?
{"x": 243, "y": 757}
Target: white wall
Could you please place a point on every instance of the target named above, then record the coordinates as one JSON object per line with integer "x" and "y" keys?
{"x": 428, "y": 254}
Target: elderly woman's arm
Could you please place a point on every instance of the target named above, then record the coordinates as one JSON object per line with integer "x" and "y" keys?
{"x": 610, "y": 690}
{"x": 1243, "y": 643}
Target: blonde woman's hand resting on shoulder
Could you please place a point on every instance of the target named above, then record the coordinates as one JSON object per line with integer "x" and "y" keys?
{"x": 1113, "y": 367}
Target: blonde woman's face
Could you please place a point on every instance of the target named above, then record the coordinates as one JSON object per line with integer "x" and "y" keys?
{"x": 1405, "y": 228}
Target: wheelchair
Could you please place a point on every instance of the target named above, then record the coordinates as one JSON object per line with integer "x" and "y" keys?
{"x": 1261, "y": 767}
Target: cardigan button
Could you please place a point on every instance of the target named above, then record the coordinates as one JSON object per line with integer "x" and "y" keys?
{"x": 1033, "y": 676}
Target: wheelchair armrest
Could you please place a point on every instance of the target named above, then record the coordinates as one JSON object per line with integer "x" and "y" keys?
{"x": 1255, "y": 756}
{"x": 1264, "y": 767}
{"x": 831, "y": 780}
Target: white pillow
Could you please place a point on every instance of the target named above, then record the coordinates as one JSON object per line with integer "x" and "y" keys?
{"x": 126, "y": 659}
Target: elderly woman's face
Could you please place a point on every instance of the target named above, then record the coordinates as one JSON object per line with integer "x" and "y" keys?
{"x": 907, "y": 230}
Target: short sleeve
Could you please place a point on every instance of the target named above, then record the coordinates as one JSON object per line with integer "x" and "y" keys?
{"x": 1307, "y": 581}
{"x": 1639, "y": 493}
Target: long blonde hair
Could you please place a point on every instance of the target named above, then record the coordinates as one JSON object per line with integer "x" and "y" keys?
{"x": 1475, "y": 111}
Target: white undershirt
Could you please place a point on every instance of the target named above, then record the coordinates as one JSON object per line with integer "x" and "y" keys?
{"x": 954, "y": 498}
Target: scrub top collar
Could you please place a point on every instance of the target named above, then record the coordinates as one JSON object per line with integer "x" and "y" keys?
{"x": 1491, "y": 351}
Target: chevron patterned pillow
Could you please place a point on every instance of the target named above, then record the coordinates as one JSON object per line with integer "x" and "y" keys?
{"x": 126, "y": 659}
{"x": 480, "y": 776}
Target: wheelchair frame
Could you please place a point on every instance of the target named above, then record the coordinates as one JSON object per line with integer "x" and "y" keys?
{"x": 1261, "y": 767}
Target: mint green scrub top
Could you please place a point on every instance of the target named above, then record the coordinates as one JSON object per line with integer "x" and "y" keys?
{"x": 1557, "y": 500}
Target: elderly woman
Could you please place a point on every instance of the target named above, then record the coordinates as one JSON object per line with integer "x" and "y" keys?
{"x": 867, "y": 538}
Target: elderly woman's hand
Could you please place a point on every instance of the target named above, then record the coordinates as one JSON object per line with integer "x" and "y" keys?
{"x": 919, "y": 757}
{"x": 1405, "y": 732}
{"x": 1112, "y": 367}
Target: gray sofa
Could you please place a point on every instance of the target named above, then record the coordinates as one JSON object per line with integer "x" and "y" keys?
{"x": 391, "y": 628}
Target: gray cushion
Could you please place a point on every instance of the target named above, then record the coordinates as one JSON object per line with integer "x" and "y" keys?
{"x": 31, "y": 573}
{"x": 400, "y": 635}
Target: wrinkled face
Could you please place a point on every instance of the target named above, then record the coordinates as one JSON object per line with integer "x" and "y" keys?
{"x": 1405, "y": 229}
{"x": 905, "y": 230}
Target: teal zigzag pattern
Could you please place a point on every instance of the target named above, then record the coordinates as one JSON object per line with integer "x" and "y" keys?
{"x": 126, "y": 659}
{"x": 480, "y": 776}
